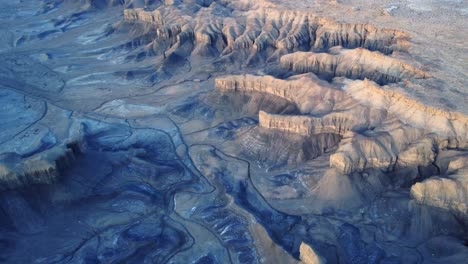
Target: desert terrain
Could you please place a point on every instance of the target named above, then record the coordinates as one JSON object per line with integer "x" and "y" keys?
{"x": 217, "y": 131}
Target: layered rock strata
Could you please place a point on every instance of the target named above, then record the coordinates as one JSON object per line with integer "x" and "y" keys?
{"x": 42, "y": 168}
{"x": 451, "y": 128}
{"x": 380, "y": 128}
{"x": 264, "y": 34}
{"x": 449, "y": 190}
{"x": 307, "y": 92}
{"x": 354, "y": 64}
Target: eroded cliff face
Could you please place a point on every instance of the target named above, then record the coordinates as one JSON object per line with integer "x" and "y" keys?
{"x": 310, "y": 94}
{"x": 379, "y": 128}
{"x": 378, "y": 131}
{"x": 228, "y": 131}
{"x": 354, "y": 64}
{"x": 43, "y": 168}
{"x": 448, "y": 190}
{"x": 414, "y": 138}
{"x": 450, "y": 127}
{"x": 302, "y": 125}
{"x": 295, "y": 148}
{"x": 262, "y": 35}
{"x": 308, "y": 255}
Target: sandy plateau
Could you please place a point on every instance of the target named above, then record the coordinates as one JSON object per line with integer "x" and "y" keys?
{"x": 217, "y": 131}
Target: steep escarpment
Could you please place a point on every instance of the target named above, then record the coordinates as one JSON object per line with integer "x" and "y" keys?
{"x": 200, "y": 144}
{"x": 413, "y": 135}
{"x": 307, "y": 125}
{"x": 309, "y": 256}
{"x": 319, "y": 33}
{"x": 449, "y": 190}
{"x": 450, "y": 127}
{"x": 381, "y": 128}
{"x": 354, "y": 64}
{"x": 361, "y": 35}
{"x": 383, "y": 150}
{"x": 263, "y": 35}
{"x": 307, "y": 92}
{"x": 42, "y": 168}
{"x": 293, "y": 149}
{"x": 361, "y": 148}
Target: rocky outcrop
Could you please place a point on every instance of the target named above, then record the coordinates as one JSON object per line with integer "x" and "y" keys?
{"x": 264, "y": 34}
{"x": 382, "y": 150}
{"x": 297, "y": 29}
{"x": 411, "y": 138}
{"x": 381, "y": 128}
{"x": 360, "y": 35}
{"x": 309, "y": 256}
{"x": 42, "y": 168}
{"x": 154, "y": 17}
{"x": 307, "y": 92}
{"x": 294, "y": 148}
{"x": 448, "y": 191}
{"x": 307, "y": 125}
{"x": 164, "y": 154}
{"x": 354, "y": 64}
{"x": 451, "y": 128}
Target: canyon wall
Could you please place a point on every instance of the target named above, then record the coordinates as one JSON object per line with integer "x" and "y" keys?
{"x": 380, "y": 128}
{"x": 307, "y": 92}
{"x": 307, "y": 125}
{"x": 354, "y": 64}
{"x": 264, "y": 34}
{"x": 43, "y": 168}
{"x": 449, "y": 190}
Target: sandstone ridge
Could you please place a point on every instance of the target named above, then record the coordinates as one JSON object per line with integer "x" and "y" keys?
{"x": 264, "y": 34}
{"x": 380, "y": 128}
{"x": 354, "y": 64}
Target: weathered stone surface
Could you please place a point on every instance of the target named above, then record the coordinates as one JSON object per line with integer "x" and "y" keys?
{"x": 214, "y": 131}
{"x": 393, "y": 136}
{"x": 308, "y": 255}
{"x": 354, "y": 64}
{"x": 264, "y": 30}
{"x": 449, "y": 191}
{"x": 42, "y": 168}
{"x": 310, "y": 94}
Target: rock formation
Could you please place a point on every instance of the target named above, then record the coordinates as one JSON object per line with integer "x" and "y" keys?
{"x": 307, "y": 92}
{"x": 216, "y": 131}
{"x": 354, "y": 64}
{"x": 308, "y": 255}
{"x": 449, "y": 190}
{"x": 450, "y": 127}
{"x": 380, "y": 128}
{"x": 42, "y": 168}
{"x": 265, "y": 34}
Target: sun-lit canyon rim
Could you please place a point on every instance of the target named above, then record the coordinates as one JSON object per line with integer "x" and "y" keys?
{"x": 217, "y": 131}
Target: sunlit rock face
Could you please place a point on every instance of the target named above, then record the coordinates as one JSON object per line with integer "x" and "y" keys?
{"x": 354, "y": 64}
{"x": 449, "y": 190}
{"x": 308, "y": 256}
{"x": 214, "y": 131}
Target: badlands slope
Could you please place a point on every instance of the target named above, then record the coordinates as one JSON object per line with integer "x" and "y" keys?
{"x": 215, "y": 131}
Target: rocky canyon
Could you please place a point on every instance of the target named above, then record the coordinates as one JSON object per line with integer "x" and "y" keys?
{"x": 233, "y": 131}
